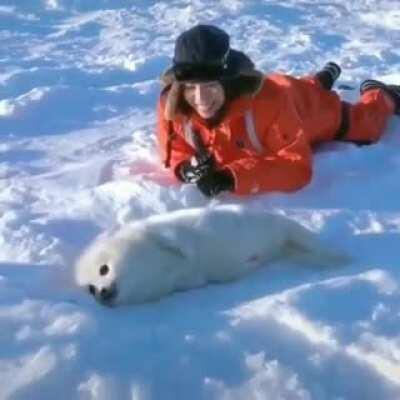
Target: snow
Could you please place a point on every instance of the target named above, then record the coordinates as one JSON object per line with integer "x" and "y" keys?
{"x": 78, "y": 88}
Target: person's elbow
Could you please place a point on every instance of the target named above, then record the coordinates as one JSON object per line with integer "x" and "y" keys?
{"x": 301, "y": 177}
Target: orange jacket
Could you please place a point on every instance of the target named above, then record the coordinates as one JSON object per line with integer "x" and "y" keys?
{"x": 264, "y": 140}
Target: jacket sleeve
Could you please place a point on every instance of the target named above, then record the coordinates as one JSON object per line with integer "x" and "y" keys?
{"x": 284, "y": 166}
{"x": 173, "y": 148}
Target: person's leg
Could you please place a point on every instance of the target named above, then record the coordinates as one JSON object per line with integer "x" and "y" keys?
{"x": 368, "y": 117}
{"x": 393, "y": 91}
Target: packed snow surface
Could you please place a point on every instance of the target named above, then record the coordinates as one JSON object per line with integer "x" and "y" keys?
{"x": 78, "y": 156}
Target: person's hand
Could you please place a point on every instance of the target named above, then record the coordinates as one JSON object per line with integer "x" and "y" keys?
{"x": 215, "y": 182}
{"x": 191, "y": 171}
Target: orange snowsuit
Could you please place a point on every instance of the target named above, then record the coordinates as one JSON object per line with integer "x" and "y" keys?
{"x": 266, "y": 140}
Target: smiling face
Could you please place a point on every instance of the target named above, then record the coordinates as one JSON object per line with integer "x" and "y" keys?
{"x": 206, "y": 98}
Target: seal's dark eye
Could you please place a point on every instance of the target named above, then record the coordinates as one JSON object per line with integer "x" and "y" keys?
{"x": 92, "y": 290}
{"x": 104, "y": 269}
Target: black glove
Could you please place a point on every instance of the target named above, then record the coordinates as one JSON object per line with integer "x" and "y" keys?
{"x": 215, "y": 182}
{"x": 191, "y": 171}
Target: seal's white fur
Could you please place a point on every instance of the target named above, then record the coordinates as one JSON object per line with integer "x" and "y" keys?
{"x": 184, "y": 249}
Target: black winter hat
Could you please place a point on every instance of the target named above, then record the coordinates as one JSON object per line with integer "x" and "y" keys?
{"x": 203, "y": 53}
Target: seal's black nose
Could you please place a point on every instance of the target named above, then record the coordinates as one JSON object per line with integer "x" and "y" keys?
{"x": 108, "y": 294}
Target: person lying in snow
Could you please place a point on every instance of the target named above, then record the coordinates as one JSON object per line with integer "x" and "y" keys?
{"x": 224, "y": 126}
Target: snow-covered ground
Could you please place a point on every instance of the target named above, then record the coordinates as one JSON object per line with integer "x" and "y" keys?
{"x": 78, "y": 87}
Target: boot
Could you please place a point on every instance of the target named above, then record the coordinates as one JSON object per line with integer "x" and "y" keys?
{"x": 392, "y": 90}
{"x": 328, "y": 75}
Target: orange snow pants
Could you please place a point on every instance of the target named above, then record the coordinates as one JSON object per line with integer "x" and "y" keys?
{"x": 364, "y": 122}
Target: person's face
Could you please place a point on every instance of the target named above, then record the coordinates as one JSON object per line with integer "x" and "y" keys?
{"x": 205, "y": 97}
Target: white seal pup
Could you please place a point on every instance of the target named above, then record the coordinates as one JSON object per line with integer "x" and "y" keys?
{"x": 153, "y": 257}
